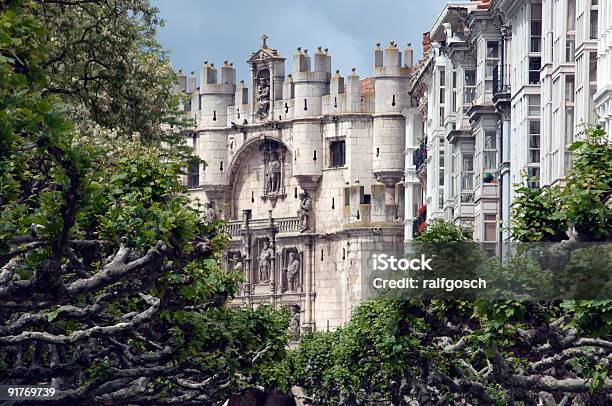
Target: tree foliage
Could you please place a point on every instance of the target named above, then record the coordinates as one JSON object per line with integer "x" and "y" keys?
{"x": 403, "y": 351}
{"x": 546, "y": 214}
{"x": 111, "y": 285}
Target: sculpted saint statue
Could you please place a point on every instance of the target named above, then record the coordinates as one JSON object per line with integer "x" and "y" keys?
{"x": 265, "y": 262}
{"x": 293, "y": 272}
{"x": 210, "y": 212}
{"x": 273, "y": 173}
{"x": 304, "y": 211}
{"x": 294, "y": 325}
{"x": 237, "y": 260}
{"x": 263, "y": 99}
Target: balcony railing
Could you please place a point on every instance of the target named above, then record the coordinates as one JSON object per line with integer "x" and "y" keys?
{"x": 501, "y": 79}
{"x": 420, "y": 155}
{"x": 283, "y": 225}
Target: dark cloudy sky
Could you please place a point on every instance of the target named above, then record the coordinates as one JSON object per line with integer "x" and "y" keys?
{"x": 198, "y": 30}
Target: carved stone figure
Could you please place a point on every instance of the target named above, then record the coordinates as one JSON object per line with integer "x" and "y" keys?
{"x": 237, "y": 262}
{"x": 294, "y": 324}
{"x": 210, "y": 212}
{"x": 265, "y": 262}
{"x": 263, "y": 98}
{"x": 304, "y": 211}
{"x": 293, "y": 272}
{"x": 273, "y": 173}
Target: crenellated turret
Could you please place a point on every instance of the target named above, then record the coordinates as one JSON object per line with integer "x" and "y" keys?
{"x": 310, "y": 85}
{"x": 241, "y": 108}
{"x": 215, "y": 95}
{"x": 389, "y": 132}
{"x": 191, "y": 82}
{"x": 408, "y": 55}
{"x": 181, "y": 81}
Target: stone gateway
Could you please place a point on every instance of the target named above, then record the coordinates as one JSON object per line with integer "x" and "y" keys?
{"x": 307, "y": 170}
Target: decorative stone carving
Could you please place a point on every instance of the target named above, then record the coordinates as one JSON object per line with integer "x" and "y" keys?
{"x": 263, "y": 94}
{"x": 294, "y": 323}
{"x": 236, "y": 262}
{"x": 265, "y": 262}
{"x": 273, "y": 173}
{"x": 210, "y": 213}
{"x": 273, "y": 157}
{"x": 304, "y": 211}
{"x": 293, "y": 272}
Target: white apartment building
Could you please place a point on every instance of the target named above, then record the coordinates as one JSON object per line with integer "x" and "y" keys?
{"x": 504, "y": 90}
{"x": 603, "y": 96}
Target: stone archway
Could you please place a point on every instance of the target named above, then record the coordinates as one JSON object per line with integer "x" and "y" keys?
{"x": 259, "y": 174}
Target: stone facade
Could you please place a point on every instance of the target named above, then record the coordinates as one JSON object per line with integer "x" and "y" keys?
{"x": 307, "y": 169}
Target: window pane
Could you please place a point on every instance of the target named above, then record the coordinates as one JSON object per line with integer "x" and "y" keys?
{"x": 536, "y": 11}
{"x": 569, "y": 88}
{"x": 468, "y": 163}
{"x": 492, "y": 49}
{"x": 467, "y": 182}
{"x": 534, "y": 105}
{"x": 490, "y": 158}
{"x": 470, "y": 78}
{"x": 490, "y": 231}
{"x": 337, "y": 154}
{"x": 490, "y": 140}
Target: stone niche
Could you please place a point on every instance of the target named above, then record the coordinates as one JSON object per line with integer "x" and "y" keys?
{"x": 273, "y": 156}
{"x": 292, "y": 270}
{"x": 263, "y": 262}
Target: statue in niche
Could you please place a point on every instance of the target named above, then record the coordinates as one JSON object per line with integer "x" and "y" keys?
{"x": 293, "y": 272}
{"x": 210, "y": 213}
{"x": 304, "y": 211}
{"x": 236, "y": 262}
{"x": 294, "y": 323}
{"x": 265, "y": 262}
{"x": 273, "y": 173}
{"x": 263, "y": 98}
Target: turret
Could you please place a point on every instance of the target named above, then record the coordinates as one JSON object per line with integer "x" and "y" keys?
{"x": 389, "y": 128}
{"x": 408, "y": 55}
{"x": 353, "y": 95}
{"x": 241, "y": 102}
{"x": 310, "y": 85}
{"x": 217, "y": 93}
{"x": 216, "y": 96}
{"x": 191, "y": 82}
{"x": 181, "y": 81}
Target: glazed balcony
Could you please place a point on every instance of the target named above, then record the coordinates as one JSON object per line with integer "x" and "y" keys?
{"x": 419, "y": 156}
{"x": 501, "y": 84}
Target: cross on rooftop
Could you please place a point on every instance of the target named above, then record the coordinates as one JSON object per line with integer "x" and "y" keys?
{"x": 264, "y": 38}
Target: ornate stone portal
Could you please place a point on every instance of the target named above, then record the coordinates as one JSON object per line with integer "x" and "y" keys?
{"x": 266, "y": 141}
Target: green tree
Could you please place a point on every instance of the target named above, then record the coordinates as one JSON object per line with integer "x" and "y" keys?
{"x": 537, "y": 215}
{"x": 588, "y": 188}
{"x": 403, "y": 351}
{"x": 111, "y": 283}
